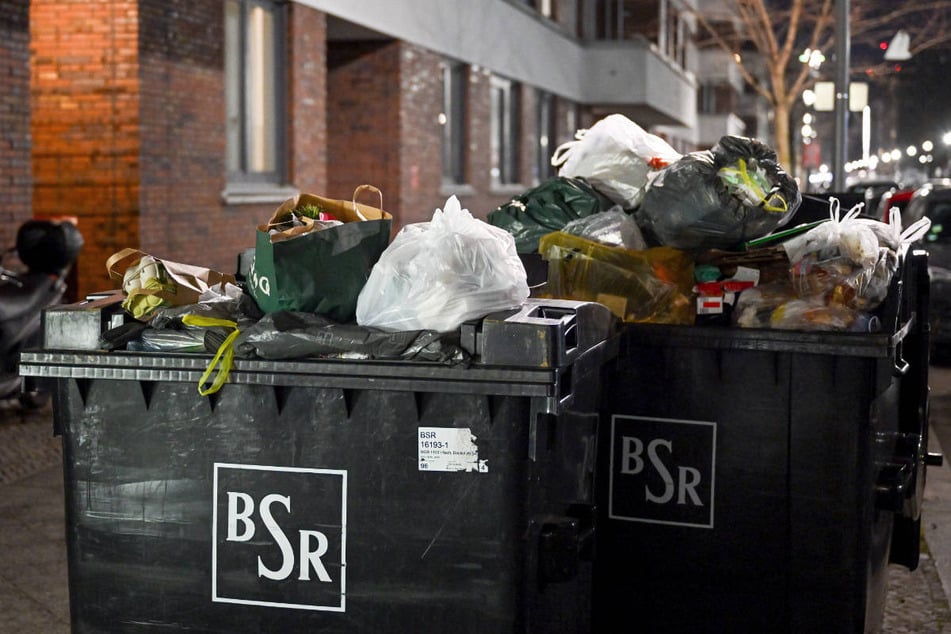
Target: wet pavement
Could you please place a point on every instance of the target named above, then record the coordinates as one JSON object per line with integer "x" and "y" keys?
{"x": 34, "y": 595}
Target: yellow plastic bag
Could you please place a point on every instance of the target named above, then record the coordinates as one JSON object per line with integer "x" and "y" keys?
{"x": 651, "y": 285}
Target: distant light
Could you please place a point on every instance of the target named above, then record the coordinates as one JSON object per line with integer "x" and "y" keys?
{"x": 927, "y": 146}
{"x": 442, "y": 118}
{"x": 813, "y": 58}
{"x": 807, "y": 130}
{"x": 911, "y": 150}
{"x": 922, "y": 159}
{"x": 807, "y": 118}
{"x": 872, "y": 162}
{"x": 883, "y": 45}
{"x": 809, "y": 98}
{"x": 896, "y": 154}
{"x": 886, "y": 158}
{"x": 737, "y": 58}
{"x": 946, "y": 138}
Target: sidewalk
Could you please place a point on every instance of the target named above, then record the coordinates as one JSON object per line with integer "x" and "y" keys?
{"x": 33, "y": 580}
{"x": 34, "y": 594}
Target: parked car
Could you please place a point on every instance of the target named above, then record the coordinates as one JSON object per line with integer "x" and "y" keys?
{"x": 934, "y": 201}
{"x": 900, "y": 197}
{"x": 872, "y": 191}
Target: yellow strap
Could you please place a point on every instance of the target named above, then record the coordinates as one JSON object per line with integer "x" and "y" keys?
{"x": 224, "y": 355}
{"x": 752, "y": 186}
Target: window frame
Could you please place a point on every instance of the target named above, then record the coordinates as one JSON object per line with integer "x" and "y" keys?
{"x": 455, "y": 121}
{"x": 546, "y": 131}
{"x": 505, "y": 129}
{"x": 239, "y": 172}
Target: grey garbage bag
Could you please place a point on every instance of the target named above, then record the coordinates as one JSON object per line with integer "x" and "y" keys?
{"x": 291, "y": 335}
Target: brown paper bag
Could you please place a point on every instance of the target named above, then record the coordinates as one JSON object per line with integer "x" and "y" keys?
{"x": 151, "y": 283}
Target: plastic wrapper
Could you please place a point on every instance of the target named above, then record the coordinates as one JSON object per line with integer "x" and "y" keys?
{"x": 848, "y": 260}
{"x": 225, "y": 302}
{"x": 653, "y": 285}
{"x": 719, "y": 198}
{"x": 777, "y": 305}
{"x": 546, "y": 208}
{"x": 436, "y": 275}
{"x": 184, "y": 339}
{"x": 840, "y": 271}
{"x": 291, "y": 335}
{"x": 614, "y": 227}
{"x": 616, "y": 156}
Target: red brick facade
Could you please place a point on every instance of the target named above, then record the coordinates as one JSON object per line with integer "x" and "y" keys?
{"x": 363, "y": 115}
{"x": 15, "y": 173}
{"x": 129, "y": 129}
{"x": 85, "y": 123}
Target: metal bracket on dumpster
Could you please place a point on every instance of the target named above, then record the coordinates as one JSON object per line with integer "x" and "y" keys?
{"x": 563, "y": 541}
{"x": 900, "y": 364}
{"x": 543, "y": 333}
{"x": 79, "y": 326}
{"x": 897, "y": 487}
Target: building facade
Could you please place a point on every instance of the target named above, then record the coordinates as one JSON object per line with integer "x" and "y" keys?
{"x": 15, "y": 171}
{"x": 177, "y": 127}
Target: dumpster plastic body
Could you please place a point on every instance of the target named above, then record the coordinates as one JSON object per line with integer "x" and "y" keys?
{"x": 331, "y": 495}
{"x": 754, "y": 480}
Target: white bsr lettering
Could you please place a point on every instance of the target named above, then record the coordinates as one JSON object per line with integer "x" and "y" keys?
{"x": 241, "y": 529}
{"x": 632, "y": 463}
{"x": 260, "y": 282}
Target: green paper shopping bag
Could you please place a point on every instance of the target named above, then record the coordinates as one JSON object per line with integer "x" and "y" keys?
{"x": 315, "y": 254}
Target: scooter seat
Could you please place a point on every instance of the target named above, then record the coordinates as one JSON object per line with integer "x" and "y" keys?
{"x": 33, "y": 294}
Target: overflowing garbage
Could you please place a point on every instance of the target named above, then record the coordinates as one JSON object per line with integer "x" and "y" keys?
{"x": 698, "y": 239}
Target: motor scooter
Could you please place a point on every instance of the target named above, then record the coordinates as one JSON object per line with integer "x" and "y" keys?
{"x": 32, "y": 277}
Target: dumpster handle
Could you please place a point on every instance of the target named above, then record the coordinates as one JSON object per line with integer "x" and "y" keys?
{"x": 900, "y": 364}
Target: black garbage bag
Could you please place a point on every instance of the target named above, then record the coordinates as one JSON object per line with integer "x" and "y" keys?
{"x": 547, "y": 208}
{"x": 292, "y": 335}
{"x": 719, "y": 198}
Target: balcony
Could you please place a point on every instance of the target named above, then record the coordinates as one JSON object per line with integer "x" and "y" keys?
{"x": 629, "y": 76}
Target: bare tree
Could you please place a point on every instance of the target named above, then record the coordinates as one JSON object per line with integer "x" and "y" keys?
{"x": 774, "y": 33}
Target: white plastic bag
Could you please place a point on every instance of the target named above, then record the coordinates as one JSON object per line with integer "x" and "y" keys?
{"x": 848, "y": 260}
{"x": 437, "y": 274}
{"x": 616, "y": 156}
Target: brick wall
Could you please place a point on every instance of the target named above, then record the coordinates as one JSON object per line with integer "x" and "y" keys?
{"x": 183, "y": 129}
{"x": 384, "y": 100}
{"x": 363, "y": 115}
{"x": 183, "y": 137}
{"x": 307, "y": 105}
{"x": 128, "y": 102}
{"x": 85, "y": 100}
{"x": 15, "y": 176}
{"x": 420, "y": 149}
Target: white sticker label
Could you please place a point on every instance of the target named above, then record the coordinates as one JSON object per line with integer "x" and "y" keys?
{"x": 449, "y": 449}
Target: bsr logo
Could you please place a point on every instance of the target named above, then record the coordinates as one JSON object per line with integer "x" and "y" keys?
{"x": 311, "y": 545}
{"x": 684, "y": 487}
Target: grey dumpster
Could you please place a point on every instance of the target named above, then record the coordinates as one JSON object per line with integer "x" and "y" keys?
{"x": 336, "y": 496}
{"x": 754, "y": 480}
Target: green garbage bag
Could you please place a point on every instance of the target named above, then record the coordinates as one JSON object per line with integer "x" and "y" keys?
{"x": 547, "y": 208}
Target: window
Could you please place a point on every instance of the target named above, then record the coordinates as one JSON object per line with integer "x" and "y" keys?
{"x": 253, "y": 90}
{"x": 545, "y": 7}
{"x": 453, "y": 119}
{"x": 505, "y": 131}
{"x": 545, "y": 124}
